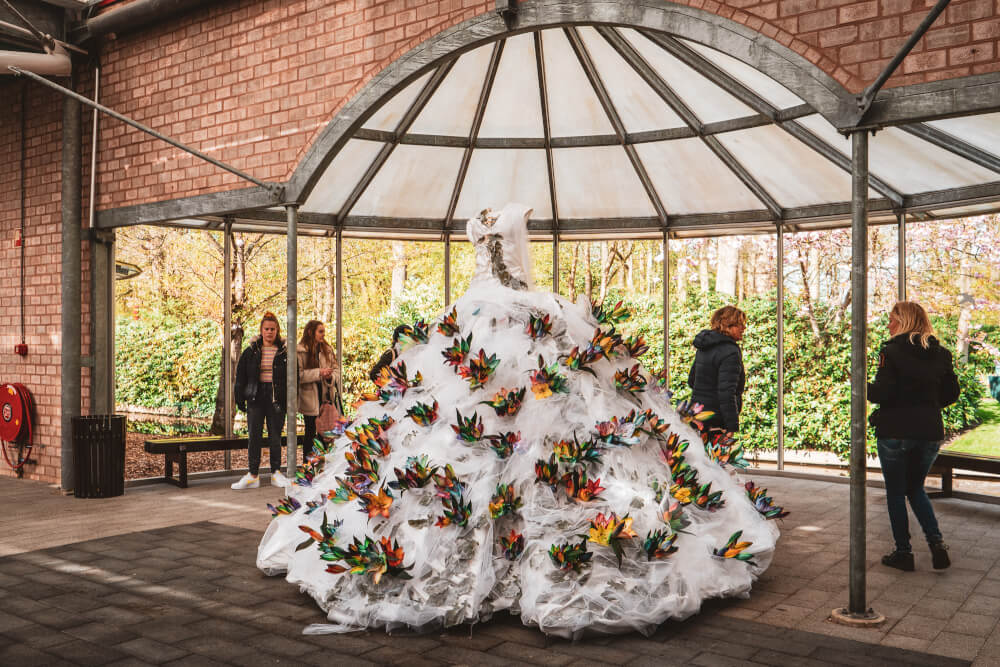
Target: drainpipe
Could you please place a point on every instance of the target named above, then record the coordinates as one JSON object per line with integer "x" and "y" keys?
{"x": 139, "y": 14}
{"x": 70, "y": 283}
{"x": 54, "y": 62}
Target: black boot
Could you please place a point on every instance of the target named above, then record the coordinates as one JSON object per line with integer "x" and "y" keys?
{"x": 939, "y": 555}
{"x": 901, "y": 560}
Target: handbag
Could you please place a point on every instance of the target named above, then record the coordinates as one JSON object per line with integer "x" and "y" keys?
{"x": 329, "y": 414}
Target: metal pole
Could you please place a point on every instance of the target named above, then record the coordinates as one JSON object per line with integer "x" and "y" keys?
{"x": 272, "y": 187}
{"x": 555, "y": 262}
{"x": 901, "y": 251}
{"x": 858, "y": 605}
{"x": 93, "y": 155}
{"x": 447, "y": 268}
{"x": 70, "y": 286}
{"x": 227, "y": 334}
{"x": 340, "y": 304}
{"x": 291, "y": 327}
{"x": 666, "y": 307}
{"x": 781, "y": 347}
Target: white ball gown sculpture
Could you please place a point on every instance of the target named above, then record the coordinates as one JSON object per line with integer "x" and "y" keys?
{"x": 585, "y": 504}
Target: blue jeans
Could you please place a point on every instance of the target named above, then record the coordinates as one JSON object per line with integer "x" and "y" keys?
{"x": 905, "y": 464}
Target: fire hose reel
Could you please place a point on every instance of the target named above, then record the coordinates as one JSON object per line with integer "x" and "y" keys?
{"x": 17, "y": 408}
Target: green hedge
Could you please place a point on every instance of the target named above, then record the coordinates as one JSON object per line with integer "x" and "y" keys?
{"x": 166, "y": 362}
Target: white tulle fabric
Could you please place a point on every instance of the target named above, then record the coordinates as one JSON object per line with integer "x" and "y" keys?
{"x": 511, "y": 226}
{"x": 459, "y": 574}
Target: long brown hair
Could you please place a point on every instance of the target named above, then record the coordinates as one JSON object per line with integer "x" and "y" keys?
{"x": 271, "y": 317}
{"x": 913, "y": 321}
{"x": 313, "y": 346}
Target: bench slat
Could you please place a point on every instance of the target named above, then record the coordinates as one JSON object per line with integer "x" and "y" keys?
{"x": 208, "y": 444}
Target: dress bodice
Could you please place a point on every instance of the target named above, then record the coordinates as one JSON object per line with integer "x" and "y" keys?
{"x": 502, "y": 248}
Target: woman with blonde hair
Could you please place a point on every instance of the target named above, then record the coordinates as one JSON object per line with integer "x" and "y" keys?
{"x": 319, "y": 377}
{"x": 915, "y": 380}
{"x": 717, "y": 378}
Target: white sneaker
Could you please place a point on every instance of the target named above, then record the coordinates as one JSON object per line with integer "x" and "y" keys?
{"x": 247, "y": 481}
{"x": 278, "y": 479}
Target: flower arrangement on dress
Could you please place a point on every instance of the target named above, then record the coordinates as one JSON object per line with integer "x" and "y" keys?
{"x": 448, "y": 325}
{"x": 423, "y": 414}
{"x": 569, "y": 556}
{"x": 601, "y": 346}
{"x": 580, "y": 487}
{"x": 547, "y": 472}
{"x": 735, "y": 549}
{"x": 675, "y": 518}
{"x": 661, "y": 384}
{"x": 362, "y": 469}
{"x": 576, "y": 452}
{"x": 504, "y": 444}
{"x": 763, "y": 503}
{"x": 417, "y": 474}
{"x": 654, "y": 426}
{"x": 479, "y": 369}
{"x": 451, "y": 491}
{"x": 659, "y": 544}
{"x": 693, "y": 414}
{"x": 412, "y": 335}
{"x": 375, "y": 504}
{"x": 620, "y": 432}
{"x": 286, "y": 505}
{"x": 512, "y": 545}
{"x": 368, "y": 557}
{"x": 370, "y": 440}
{"x": 505, "y": 501}
{"x": 468, "y": 429}
{"x": 393, "y": 382}
{"x": 325, "y": 539}
{"x": 506, "y": 402}
{"x": 455, "y": 355}
{"x": 722, "y": 448}
{"x": 614, "y": 315}
{"x": 344, "y": 492}
{"x": 539, "y": 326}
{"x": 610, "y": 531}
{"x": 635, "y": 346}
{"x": 630, "y": 381}
{"x": 707, "y": 499}
{"x": 547, "y": 380}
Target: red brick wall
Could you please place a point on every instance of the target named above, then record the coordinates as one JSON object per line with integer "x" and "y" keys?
{"x": 40, "y": 371}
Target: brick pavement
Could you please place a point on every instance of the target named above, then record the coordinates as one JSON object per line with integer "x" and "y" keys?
{"x": 149, "y": 587}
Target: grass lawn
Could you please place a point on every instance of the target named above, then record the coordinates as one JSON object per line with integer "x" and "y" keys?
{"x": 985, "y": 438}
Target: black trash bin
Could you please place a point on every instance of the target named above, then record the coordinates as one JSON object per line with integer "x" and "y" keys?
{"x": 98, "y": 456}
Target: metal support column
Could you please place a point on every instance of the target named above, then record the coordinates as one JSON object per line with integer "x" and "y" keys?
{"x": 858, "y": 612}
{"x": 666, "y": 306}
{"x": 340, "y": 305}
{"x": 291, "y": 327}
{"x": 447, "y": 268}
{"x": 555, "y": 262}
{"x": 70, "y": 285}
{"x": 901, "y": 253}
{"x": 781, "y": 348}
{"x": 227, "y": 334}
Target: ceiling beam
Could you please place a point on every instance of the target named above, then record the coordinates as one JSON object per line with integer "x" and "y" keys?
{"x": 543, "y": 92}
{"x": 616, "y": 122}
{"x": 954, "y": 145}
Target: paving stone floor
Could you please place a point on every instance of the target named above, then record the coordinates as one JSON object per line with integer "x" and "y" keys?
{"x": 166, "y": 576}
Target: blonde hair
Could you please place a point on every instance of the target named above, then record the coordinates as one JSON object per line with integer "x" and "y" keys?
{"x": 726, "y": 318}
{"x": 913, "y": 321}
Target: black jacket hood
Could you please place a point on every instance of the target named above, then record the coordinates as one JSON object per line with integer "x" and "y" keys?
{"x": 709, "y": 338}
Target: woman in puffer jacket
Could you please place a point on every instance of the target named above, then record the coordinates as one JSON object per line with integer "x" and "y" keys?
{"x": 319, "y": 377}
{"x": 915, "y": 379}
{"x": 717, "y": 377}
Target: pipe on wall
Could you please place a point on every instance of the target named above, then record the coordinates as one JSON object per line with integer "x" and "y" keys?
{"x": 139, "y": 14}
{"x": 54, "y": 62}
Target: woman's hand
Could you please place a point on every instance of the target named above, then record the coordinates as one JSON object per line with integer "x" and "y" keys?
{"x": 326, "y": 373}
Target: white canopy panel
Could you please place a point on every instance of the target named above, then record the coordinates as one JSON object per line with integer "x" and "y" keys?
{"x": 599, "y": 127}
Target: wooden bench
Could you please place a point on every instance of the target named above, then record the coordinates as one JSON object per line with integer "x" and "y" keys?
{"x": 947, "y": 462}
{"x": 175, "y": 451}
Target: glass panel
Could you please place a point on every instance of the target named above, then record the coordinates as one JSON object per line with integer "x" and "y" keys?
{"x": 463, "y": 265}
{"x": 790, "y": 171}
{"x": 980, "y": 131}
{"x": 690, "y": 179}
{"x": 708, "y": 102}
{"x": 574, "y": 109}
{"x": 598, "y": 182}
{"x": 515, "y": 107}
{"x": 639, "y": 107}
{"x": 340, "y": 178}
{"x": 453, "y": 105}
{"x": 752, "y": 78}
{"x": 497, "y": 176}
{"x": 905, "y": 162}
{"x": 387, "y": 118}
{"x": 541, "y": 260}
{"x": 415, "y": 182}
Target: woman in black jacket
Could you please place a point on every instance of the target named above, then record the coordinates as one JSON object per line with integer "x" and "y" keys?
{"x": 260, "y": 392}
{"x": 717, "y": 377}
{"x": 915, "y": 379}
